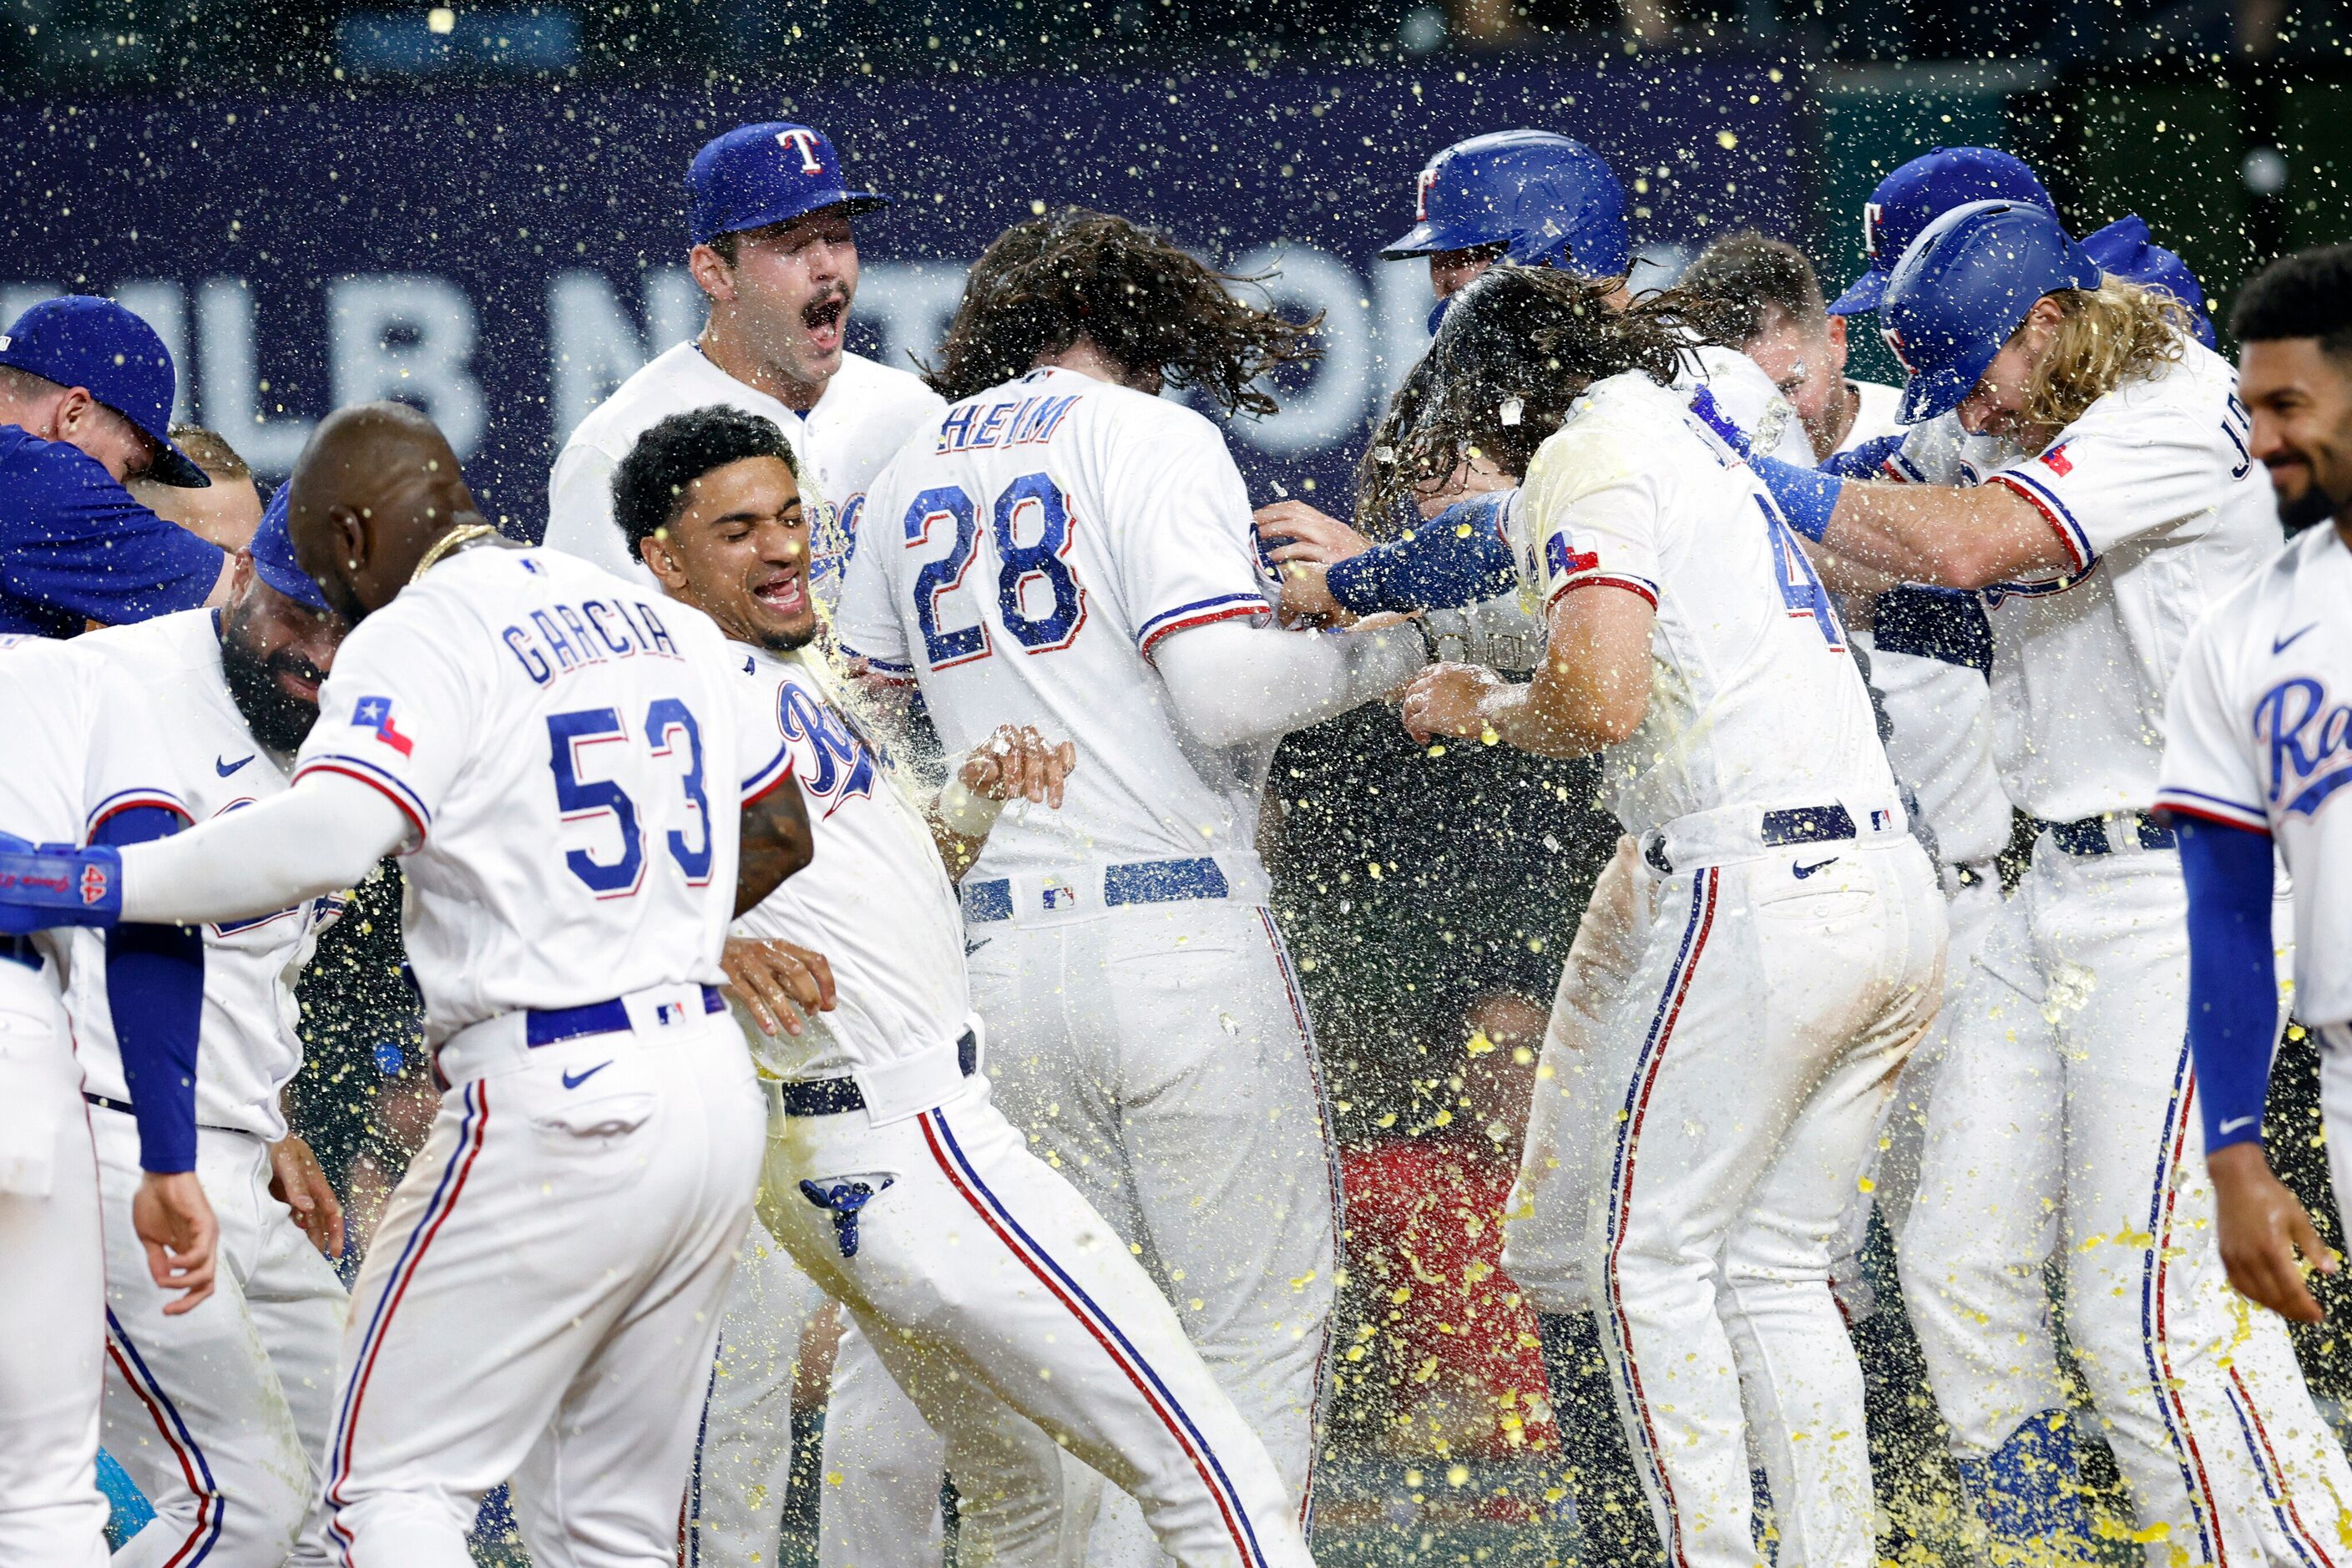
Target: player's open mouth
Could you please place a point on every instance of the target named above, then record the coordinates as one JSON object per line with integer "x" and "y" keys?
{"x": 823, "y": 319}
{"x": 787, "y": 596}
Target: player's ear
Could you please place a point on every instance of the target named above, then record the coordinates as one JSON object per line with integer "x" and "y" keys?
{"x": 655, "y": 552}
{"x": 711, "y": 273}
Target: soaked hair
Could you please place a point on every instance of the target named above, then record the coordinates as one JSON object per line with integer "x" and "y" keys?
{"x": 1747, "y": 276}
{"x": 2107, "y": 336}
{"x": 1516, "y": 349}
{"x": 1042, "y": 285}
{"x": 649, "y": 487}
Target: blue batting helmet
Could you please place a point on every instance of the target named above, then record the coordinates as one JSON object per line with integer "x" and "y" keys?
{"x": 1922, "y": 191}
{"x": 1963, "y": 286}
{"x": 1550, "y": 201}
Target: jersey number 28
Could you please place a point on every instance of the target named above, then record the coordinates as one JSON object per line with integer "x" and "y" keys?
{"x": 1029, "y": 575}
{"x": 581, "y": 799}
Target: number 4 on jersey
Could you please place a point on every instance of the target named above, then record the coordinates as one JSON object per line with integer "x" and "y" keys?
{"x": 1032, "y": 504}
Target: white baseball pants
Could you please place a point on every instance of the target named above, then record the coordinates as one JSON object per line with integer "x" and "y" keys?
{"x": 1753, "y": 1053}
{"x": 879, "y": 1503}
{"x": 542, "y": 1298}
{"x": 220, "y": 1414}
{"x": 2203, "y": 1399}
{"x": 53, "y": 1315}
{"x": 1020, "y": 1324}
{"x": 743, "y": 1447}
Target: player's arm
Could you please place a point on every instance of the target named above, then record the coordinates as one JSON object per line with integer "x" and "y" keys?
{"x": 98, "y": 553}
{"x": 1233, "y": 684}
{"x": 776, "y": 841}
{"x": 1017, "y": 763}
{"x": 1330, "y": 573}
{"x": 156, "y": 992}
{"x": 1950, "y": 536}
{"x": 2232, "y": 1024}
{"x": 1591, "y": 691}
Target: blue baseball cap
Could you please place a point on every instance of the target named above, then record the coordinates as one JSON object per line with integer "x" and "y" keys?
{"x": 1920, "y": 192}
{"x": 81, "y": 339}
{"x": 2123, "y": 250}
{"x": 759, "y": 174}
{"x": 1550, "y": 201}
{"x": 1962, "y": 287}
{"x": 273, "y": 555}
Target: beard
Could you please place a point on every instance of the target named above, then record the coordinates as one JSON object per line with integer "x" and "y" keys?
{"x": 279, "y": 719}
{"x": 2309, "y": 510}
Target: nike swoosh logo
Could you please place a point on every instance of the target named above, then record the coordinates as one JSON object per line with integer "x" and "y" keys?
{"x": 972, "y": 946}
{"x": 224, "y": 767}
{"x": 574, "y": 1080}
{"x": 1808, "y": 870}
{"x": 2280, "y": 644}
{"x": 2232, "y": 1125}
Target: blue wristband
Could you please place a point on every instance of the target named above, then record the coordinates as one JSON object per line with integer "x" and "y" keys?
{"x": 45, "y": 885}
{"x": 1807, "y": 496}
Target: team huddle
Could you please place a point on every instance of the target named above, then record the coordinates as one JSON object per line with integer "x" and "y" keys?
{"x": 832, "y": 872}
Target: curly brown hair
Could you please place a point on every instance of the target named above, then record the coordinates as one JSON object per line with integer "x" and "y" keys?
{"x": 2117, "y": 332}
{"x": 1516, "y": 349}
{"x": 1042, "y": 285}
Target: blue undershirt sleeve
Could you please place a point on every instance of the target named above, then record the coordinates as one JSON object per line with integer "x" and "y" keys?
{"x": 155, "y": 989}
{"x": 2233, "y": 989}
{"x": 1456, "y": 558}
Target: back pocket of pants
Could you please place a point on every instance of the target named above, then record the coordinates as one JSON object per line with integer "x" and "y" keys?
{"x": 598, "y": 1097}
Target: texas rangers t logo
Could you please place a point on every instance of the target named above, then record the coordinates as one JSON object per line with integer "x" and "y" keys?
{"x": 375, "y": 713}
{"x": 1894, "y": 344}
{"x": 801, "y": 140}
{"x": 1421, "y": 184}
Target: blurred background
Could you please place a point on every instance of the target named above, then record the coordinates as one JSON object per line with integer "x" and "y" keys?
{"x": 478, "y": 209}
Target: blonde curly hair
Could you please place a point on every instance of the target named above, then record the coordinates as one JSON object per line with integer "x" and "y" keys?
{"x": 2105, "y": 337}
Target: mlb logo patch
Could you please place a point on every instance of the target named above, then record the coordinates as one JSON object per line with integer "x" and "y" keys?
{"x": 375, "y": 713}
{"x": 1059, "y": 896}
{"x": 1880, "y": 821}
{"x": 669, "y": 1013}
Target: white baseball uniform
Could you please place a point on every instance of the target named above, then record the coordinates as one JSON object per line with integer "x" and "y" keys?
{"x": 1793, "y": 944}
{"x": 999, "y": 1301}
{"x": 220, "y": 1414}
{"x": 2255, "y": 737}
{"x": 64, "y": 711}
{"x": 2161, "y": 512}
{"x": 1021, "y": 561}
{"x": 543, "y": 1295}
{"x": 865, "y": 413}
{"x": 863, "y": 417}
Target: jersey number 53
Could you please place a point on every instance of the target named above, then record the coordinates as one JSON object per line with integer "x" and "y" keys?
{"x": 1039, "y": 601}
{"x": 670, "y": 735}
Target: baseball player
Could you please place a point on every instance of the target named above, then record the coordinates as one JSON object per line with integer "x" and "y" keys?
{"x": 1064, "y": 549}
{"x": 2119, "y": 504}
{"x": 2253, "y": 754}
{"x": 1794, "y": 939}
{"x": 220, "y": 1414}
{"x": 64, "y": 710}
{"x": 768, "y": 220}
{"x": 542, "y": 1294}
{"x": 85, "y": 403}
{"x": 998, "y": 1299}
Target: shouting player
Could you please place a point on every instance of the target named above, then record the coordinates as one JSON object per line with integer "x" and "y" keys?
{"x": 773, "y": 250}
{"x": 998, "y": 1299}
{"x": 220, "y": 1414}
{"x": 68, "y": 716}
{"x": 543, "y": 1292}
{"x": 2254, "y": 755}
{"x": 1067, "y": 550}
{"x": 2104, "y": 499}
{"x": 1793, "y": 940}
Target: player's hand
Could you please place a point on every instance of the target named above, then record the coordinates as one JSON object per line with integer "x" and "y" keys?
{"x": 1307, "y": 599}
{"x": 296, "y": 1181}
{"x": 1017, "y": 763}
{"x": 1446, "y": 700}
{"x": 2263, "y": 1227}
{"x": 777, "y": 981}
{"x": 1293, "y": 531}
{"x": 174, "y": 1221}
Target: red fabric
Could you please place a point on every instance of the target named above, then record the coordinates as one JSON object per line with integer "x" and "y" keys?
{"x": 1424, "y": 1216}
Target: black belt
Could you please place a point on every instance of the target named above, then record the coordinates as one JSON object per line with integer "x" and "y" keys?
{"x": 2089, "y": 835}
{"x": 127, "y": 1108}
{"x": 1797, "y": 824}
{"x": 22, "y": 950}
{"x": 836, "y": 1096}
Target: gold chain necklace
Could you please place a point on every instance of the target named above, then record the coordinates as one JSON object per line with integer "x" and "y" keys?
{"x": 456, "y": 538}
